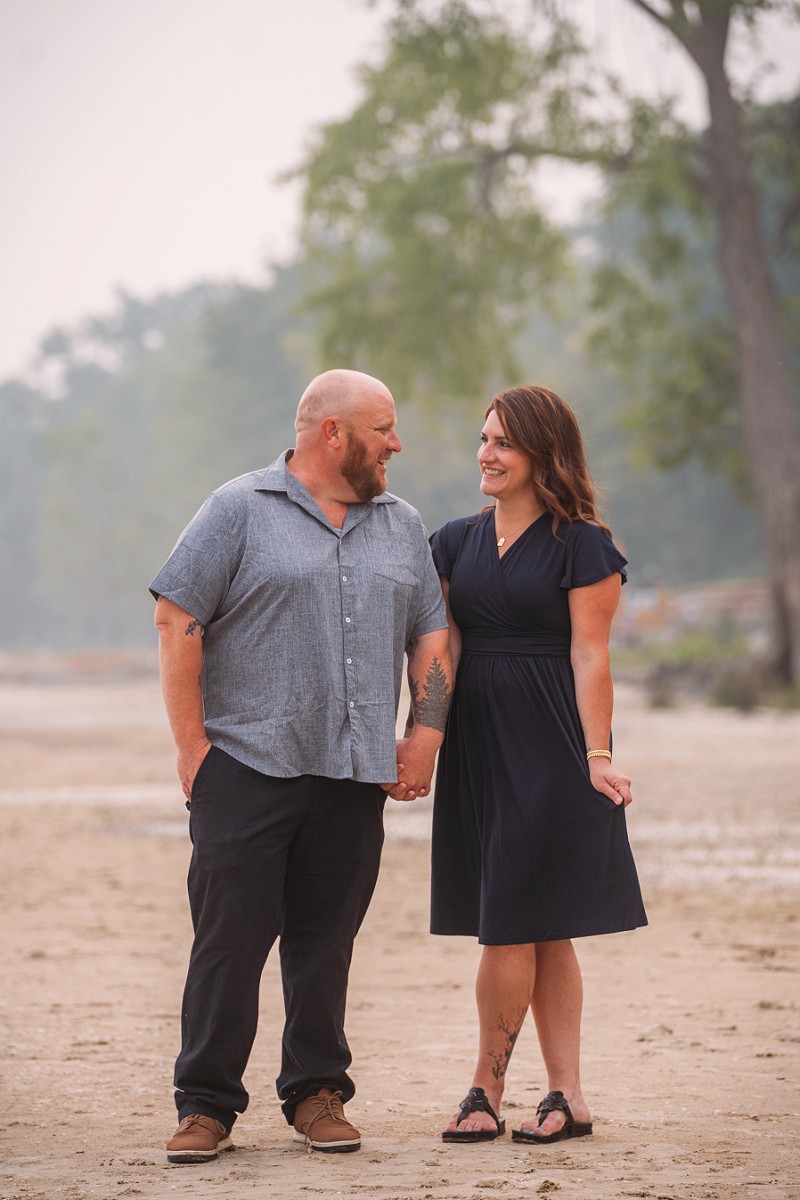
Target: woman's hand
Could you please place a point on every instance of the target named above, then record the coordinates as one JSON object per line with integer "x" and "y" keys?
{"x": 609, "y": 780}
{"x": 416, "y": 758}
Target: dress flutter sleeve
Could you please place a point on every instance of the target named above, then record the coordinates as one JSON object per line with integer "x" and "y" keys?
{"x": 590, "y": 556}
{"x": 445, "y": 544}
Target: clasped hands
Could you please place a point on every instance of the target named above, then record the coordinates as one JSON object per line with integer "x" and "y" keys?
{"x": 416, "y": 756}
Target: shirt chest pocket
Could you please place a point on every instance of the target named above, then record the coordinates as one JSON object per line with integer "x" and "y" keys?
{"x": 392, "y": 599}
{"x": 395, "y": 573}
{"x": 392, "y": 560}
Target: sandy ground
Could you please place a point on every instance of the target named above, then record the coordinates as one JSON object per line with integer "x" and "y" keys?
{"x": 691, "y": 1036}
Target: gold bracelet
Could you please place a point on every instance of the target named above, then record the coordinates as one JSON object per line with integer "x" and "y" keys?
{"x": 598, "y": 754}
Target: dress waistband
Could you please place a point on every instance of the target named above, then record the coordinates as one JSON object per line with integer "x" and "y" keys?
{"x": 543, "y": 643}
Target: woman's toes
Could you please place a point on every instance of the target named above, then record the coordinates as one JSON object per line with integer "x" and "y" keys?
{"x": 552, "y": 1123}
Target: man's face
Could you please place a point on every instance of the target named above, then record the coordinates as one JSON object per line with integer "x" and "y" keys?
{"x": 371, "y": 442}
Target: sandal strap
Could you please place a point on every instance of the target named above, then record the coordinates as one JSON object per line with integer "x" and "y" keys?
{"x": 555, "y": 1102}
{"x": 476, "y": 1100}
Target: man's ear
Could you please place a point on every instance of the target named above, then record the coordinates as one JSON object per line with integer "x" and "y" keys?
{"x": 332, "y": 431}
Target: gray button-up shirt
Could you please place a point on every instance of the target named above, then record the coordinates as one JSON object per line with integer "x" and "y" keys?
{"x": 305, "y": 624}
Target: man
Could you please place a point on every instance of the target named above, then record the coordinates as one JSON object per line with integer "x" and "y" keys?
{"x": 284, "y": 612}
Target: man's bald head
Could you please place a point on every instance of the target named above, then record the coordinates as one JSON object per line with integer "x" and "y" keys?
{"x": 338, "y": 394}
{"x": 346, "y": 435}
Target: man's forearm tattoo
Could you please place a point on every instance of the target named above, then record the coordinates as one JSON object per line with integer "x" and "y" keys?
{"x": 430, "y": 703}
{"x": 502, "y": 1058}
{"x": 412, "y": 642}
{"x": 190, "y": 628}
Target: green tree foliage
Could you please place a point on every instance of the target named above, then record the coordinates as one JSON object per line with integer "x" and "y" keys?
{"x": 193, "y": 389}
{"x": 97, "y": 484}
{"x": 423, "y": 222}
{"x": 428, "y": 246}
{"x": 661, "y": 321}
{"x": 23, "y": 419}
{"x": 421, "y": 231}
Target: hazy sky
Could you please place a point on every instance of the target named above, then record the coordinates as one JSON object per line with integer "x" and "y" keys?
{"x": 140, "y": 139}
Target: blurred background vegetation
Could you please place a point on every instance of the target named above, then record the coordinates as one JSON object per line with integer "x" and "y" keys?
{"x": 428, "y": 260}
{"x": 162, "y": 401}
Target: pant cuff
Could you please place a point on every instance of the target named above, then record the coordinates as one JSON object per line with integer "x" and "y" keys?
{"x": 228, "y": 1119}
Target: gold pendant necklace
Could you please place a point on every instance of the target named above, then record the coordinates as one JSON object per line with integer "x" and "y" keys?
{"x": 501, "y": 541}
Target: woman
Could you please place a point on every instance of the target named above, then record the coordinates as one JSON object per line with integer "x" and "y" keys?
{"x": 530, "y": 847}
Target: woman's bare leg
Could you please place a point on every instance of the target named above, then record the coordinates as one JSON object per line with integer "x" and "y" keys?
{"x": 556, "y": 1005}
{"x": 504, "y": 990}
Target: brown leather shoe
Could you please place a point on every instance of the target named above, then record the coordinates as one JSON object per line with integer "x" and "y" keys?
{"x": 198, "y": 1139}
{"x": 320, "y": 1123}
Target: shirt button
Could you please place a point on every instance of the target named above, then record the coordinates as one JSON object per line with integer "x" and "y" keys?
{"x": 344, "y": 579}
{"x": 347, "y": 620}
{"x": 352, "y": 703}
{"x": 349, "y": 660}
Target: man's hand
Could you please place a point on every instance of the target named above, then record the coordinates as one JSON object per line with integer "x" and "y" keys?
{"x": 190, "y": 758}
{"x": 430, "y": 680}
{"x": 416, "y": 756}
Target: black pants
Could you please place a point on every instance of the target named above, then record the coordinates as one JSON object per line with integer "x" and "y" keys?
{"x": 291, "y": 857}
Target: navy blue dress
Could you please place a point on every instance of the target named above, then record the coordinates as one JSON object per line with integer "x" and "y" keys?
{"x": 524, "y": 848}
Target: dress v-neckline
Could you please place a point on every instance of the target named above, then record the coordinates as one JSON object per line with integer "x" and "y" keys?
{"x": 497, "y": 549}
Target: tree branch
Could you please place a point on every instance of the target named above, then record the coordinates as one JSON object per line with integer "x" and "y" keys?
{"x": 679, "y": 24}
{"x": 653, "y": 12}
{"x": 534, "y": 150}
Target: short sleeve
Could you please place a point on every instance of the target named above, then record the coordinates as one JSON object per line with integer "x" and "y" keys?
{"x": 590, "y": 556}
{"x": 431, "y": 612}
{"x": 445, "y": 544}
{"x": 198, "y": 572}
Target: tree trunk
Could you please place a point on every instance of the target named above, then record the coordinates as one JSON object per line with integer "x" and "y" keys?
{"x": 768, "y": 403}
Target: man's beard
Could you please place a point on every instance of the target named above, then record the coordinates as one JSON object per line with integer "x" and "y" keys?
{"x": 362, "y": 475}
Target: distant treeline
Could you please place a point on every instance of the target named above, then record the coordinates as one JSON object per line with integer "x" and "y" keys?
{"x": 144, "y": 411}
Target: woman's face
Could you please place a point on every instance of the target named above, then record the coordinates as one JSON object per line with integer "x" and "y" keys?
{"x": 506, "y": 470}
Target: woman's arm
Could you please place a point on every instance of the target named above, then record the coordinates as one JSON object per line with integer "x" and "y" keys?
{"x": 591, "y": 610}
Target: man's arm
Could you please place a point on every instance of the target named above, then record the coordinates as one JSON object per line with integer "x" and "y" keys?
{"x": 180, "y": 656}
{"x": 430, "y": 680}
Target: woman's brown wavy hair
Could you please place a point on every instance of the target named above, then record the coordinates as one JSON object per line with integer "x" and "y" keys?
{"x": 543, "y": 425}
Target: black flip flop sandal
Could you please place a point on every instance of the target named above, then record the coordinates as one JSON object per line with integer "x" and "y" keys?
{"x": 553, "y": 1102}
{"x": 475, "y": 1101}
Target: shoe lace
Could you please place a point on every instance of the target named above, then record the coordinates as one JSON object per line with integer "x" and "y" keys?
{"x": 192, "y": 1119}
{"x": 325, "y": 1106}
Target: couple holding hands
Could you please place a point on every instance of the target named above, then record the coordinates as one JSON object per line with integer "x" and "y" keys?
{"x": 285, "y": 614}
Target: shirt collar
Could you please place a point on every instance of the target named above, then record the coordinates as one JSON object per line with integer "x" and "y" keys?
{"x": 278, "y": 478}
